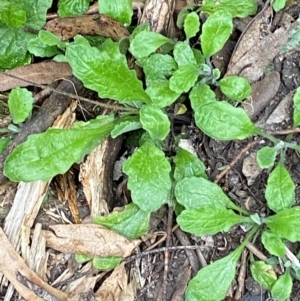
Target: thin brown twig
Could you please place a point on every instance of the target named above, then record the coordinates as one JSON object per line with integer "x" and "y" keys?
{"x": 238, "y": 157}
{"x": 284, "y": 132}
{"x": 242, "y": 276}
{"x": 100, "y": 104}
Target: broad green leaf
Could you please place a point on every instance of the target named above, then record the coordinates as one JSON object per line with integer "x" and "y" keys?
{"x": 198, "y": 192}
{"x": 222, "y": 121}
{"x": 43, "y": 156}
{"x": 266, "y": 156}
{"x": 81, "y": 258}
{"x": 201, "y": 94}
{"x": 132, "y": 222}
{"x": 145, "y": 43}
{"x": 161, "y": 95}
{"x": 296, "y": 113}
{"x": 237, "y": 8}
{"x": 191, "y": 25}
{"x": 212, "y": 282}
{"x": 13, "y": 50}
{"x": 278, "y": 5}
{"x": 263, "y": 274}
{"x": 38, "y": 48}
{"x": 158, "y": 67}
{"x": 273, "y": 243}
{"x": 49, "y": 38}
{"x": 182, "y": 15}
{"x": 20, "y": 103}
{"x": 105, "y": 71}
{"x": 106, "y": 263}
{"x": 118, "y": 10}
{"x": 70, "y": 8}
{"x": 280, "y": 190}
{"x": 155, "y": 122}
{"x": 188, "y": 165}
{"x": 209, "y": 220}
{"x": 183, "y": 54}
{"x": 282, "y": 288}
{"x": 4, "y": 142}
{"x": 184, "y": 78}
{"x": 142, "y": 27}
{"x": 36, "y": 12}
{"x": 235, "y": 87}
{"x": 198, "y": 56}
{"x": 131, "y": 123}
{"x": 215, "y": 32}
{"x": 149, "y": 181}
{"x": 285, "y": 224}
{"x": 11, "y": 14}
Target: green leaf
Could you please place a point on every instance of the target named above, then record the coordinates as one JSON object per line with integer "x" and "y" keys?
{"x": 263, "y": 274}
{"x": 215, "y": 32}
{"x": 36, "y": 12}
{"x": 81, "y": 258}
{"x": 266, "y": 156}
{"x": 278, "y": 4}
{"x": 49, "y": 38}
{"x": 149, "y": 181}
{"x": 296, "y": 113}
{"x": 145, "y": 43}
{"x": 155, "y": 122}
{"x": 209, "y": 220}
{"x": 13, "y": 48}
{"x": 182, "y": 15}
{"x": 43, "y": 156}
{"x": 20, "y": 103}
{"x": 201, "y": 94}
{"x": 212, "y": 282}
{"x": 198, "y": 56}
{"x": 183, "y": 54}
{"x": 142, "y": 27}
{"x": 4, "y": 142}
{"x": 184, "y": 78}
{"x": 280, "y": 191}
{"x": 273, "y": 243}
{"x": 222, "y": 121}
{"x": 198, "y": 192}
{"x": 106, "y": 263}
{"x": 237, "y": 8}
{"x": 191, "y": 25}
{"x": 70, "y": 8}
{"x": 235, "y": 87}
{"x": 118, "y": 10}
{"x": 188, "y": 165}
{"x": 11, "y": 14}
{"x": 285, "y": 224}
{"x": 282, "y": 288}
{"x": 158, "y": 67}
{"x": 161, "y": 95}
{"x": 132, "y": 222}
{"x": 38, "y": 48}
{"x": 131, "y": 123}
{"x": 105, "y": 70}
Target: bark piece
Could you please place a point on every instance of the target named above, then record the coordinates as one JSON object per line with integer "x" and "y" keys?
{"x": 67, "y": 28}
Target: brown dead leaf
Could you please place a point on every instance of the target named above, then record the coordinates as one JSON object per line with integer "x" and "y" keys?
{"x": 112, "y": 287}
{"x": 89, "y": 239}
{"x": 40, "y": 73}
{"x": 67, "y": 28}
{"x": 257, "y": 47}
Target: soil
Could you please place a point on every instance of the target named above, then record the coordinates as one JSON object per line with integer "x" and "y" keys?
{"x": 249, "y": 194}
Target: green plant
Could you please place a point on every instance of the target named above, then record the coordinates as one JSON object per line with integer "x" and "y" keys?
{"x": 172, "y": 70}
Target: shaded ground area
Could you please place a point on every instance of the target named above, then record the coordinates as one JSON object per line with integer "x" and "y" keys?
{"x": 161, "y": 274}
